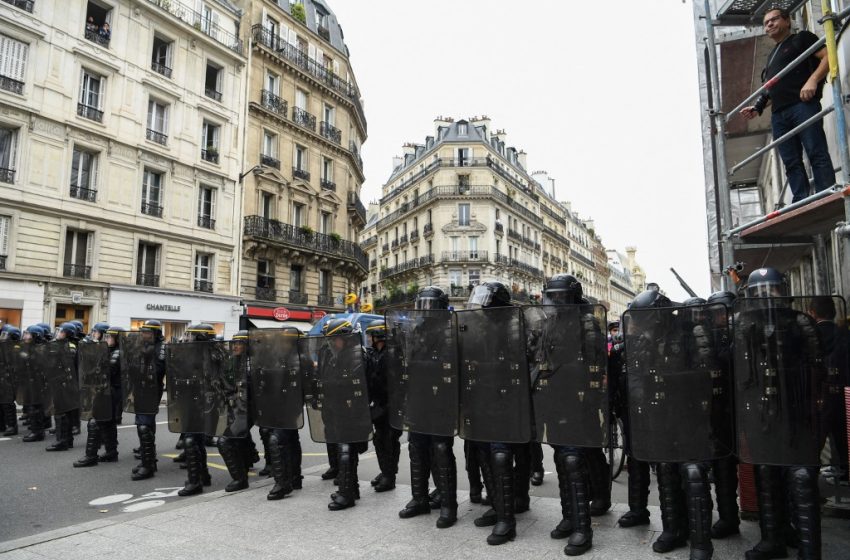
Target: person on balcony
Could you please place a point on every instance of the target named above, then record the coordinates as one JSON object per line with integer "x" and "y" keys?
{"x": 795, "y": 98}
{"x": 105, "y": 33}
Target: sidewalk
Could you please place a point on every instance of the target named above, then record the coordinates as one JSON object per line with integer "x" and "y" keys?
{"x": 224, "y": 526}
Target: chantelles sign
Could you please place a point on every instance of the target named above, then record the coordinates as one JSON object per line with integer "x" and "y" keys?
{"x": 160, "y": 307}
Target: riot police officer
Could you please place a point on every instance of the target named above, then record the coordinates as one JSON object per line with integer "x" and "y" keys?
{"x": 67, "y": 334}
{"x": 98, "y": 331}
{"x": 32, "y": 399}
{"x": 8, "y": 413}
{"x": 236, "y": 449}
{"x": 153, "y": 346}
{"x": 386, "y": 438}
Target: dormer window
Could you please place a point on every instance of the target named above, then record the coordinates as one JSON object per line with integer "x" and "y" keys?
{"x": 462, "y": 129}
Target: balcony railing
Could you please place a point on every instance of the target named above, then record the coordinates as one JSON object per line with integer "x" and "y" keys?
{"x": 385, "y": 248}
{"x": 161, "y": 69}
{"x": 266, "y": 293}
{"x": 355, "y": 205}
{"x": 77, "y": 271}
{"x": 428, "y": 229}
{"x": 299, "y": 173}
{"x": 83, "y": 193}
{"x": 330, "y": 132}
{"x": 2, "y": 262}
{"x": 269, "y": 161}
{"x": 407, "y": 265}
{"x": 151, "y": 280}
{"x": 151, "y": 209}
{"x": 7, "y": 175}
{"x": 206, "y": 222}
{"x": 273, "y": 102}
{"x": 26, "y": 5}
{"x": 581, "y": 258}
{"x": 370, "y": 241}
{"x": 90, "y": 113}
{"x": 352, "y": 147}
{"x": 373, "y": 263}
{"x": 257, "y": 226}
{"x": 158, "y": 137}
{"x": 209, "y": 155}
{"x": 459, "y": 292}
{"x": 464, "y": 256}
{"x": 9, "y": 84}
{"x": 514, "y": 234}
{"x": 402, "y": 240}
{"x": 328, "y": 185}
{"x": 95, "y": 37}
{"x": 212, "y": 94}
{"x": 500, "y": 229}
{"x": 297, "y": 297}
{"x": 323, "y": 32}
{"x": 203, "y": 24}
{"x": 414, "y": 236}
{"x": 303, "y": 118}
{"x": 326, "y": 300}
{"x": 394, "y": 244}
{"x": 203, "y": 286}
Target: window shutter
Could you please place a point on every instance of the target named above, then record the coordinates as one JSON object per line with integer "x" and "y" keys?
{"x": 93, "y": 173}
{"x": 266, "y": 23}
{"x": 89, "y": 247}
{"x": 83, "y": 86}
{"x": 320, "y": 56}
{"x": 284, "y": 34}
{"x": 156, "y": 249}
{"x": 336, "y": 67}
{"x": 293, "y": 38}
{"x": 311, "y": 51}
{"x": 4, "y": 234}
{"x": 212, "y": 203}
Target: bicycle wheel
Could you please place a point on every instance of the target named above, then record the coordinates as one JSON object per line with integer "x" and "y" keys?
{"x": 617, "y": 457}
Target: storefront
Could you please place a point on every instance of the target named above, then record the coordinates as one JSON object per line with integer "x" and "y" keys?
{"x": 257, "y": 317}
{"x": 129, "y": 307}
{"x": 21, "y": 302}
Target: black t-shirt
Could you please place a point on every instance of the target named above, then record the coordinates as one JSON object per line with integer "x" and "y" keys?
{"x": 787, "y": 90}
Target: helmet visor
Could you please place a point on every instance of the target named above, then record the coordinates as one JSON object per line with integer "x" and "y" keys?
{"x": 428, "y": 302}
{"x": 480, "y": 297}
{"x": 766, "y": 289}
{"x": 559, "y": 297}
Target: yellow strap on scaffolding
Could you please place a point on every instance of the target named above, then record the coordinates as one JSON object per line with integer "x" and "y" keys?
{"x": 829, "y": 31}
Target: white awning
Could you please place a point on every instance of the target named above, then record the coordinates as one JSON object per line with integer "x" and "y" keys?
{"x": 302, "y": 326}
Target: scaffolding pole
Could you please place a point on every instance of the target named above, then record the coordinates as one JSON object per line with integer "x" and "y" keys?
{"x": 829, "y": 18}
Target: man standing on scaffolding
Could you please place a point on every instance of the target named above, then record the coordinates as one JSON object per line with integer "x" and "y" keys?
{"x": 795, "y": 98}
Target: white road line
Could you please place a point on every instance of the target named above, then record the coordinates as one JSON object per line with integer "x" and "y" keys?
{"x": 126, "y": 426}
{"x": 5, "y": 439}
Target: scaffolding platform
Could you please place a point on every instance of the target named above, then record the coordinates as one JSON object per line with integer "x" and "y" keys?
{"x": 743, "y": 12}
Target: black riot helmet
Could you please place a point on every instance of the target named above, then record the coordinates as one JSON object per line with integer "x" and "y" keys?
{"x": 377, "y": 329}
{"x": 649, "y": 299}
{"x": 240, "y": 336}
{"x": 724, "y": 297}
{"x": 562, "y": 289}
{"x": 154, "y": 327}
{"x": 767, "y": 282}
{"x": 200, "y": 332}
{"x": 338, "y": 326}
{"x": 112, "y": 336}
{"x": 431, "y": 297}
{"x": 693, "y": 301}
{"x": 239, "y": 342}
{"x": 489, "y": 294}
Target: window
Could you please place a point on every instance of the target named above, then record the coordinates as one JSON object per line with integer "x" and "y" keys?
{"x": 78, "y": 253}
{"x": 209, "y": 20}
{"x": 265, "y": 280}
{"x": 454, "y": 244}
{"x": 297, "y": 214}
{"x": 273, "y": 83}
{"x": 463, "y": 214}
{"x": 206, "y": 207}
{"x": 8, "y": 152}
{"x": 299, "y": 163}
{"x": 296, "y": 274}
{"x": 269, "y": 155}
{"x": 327, "y": 170}
{"x": 13, "y": 64}
{"x": 267, "y": 205}
{"x": 147, "y": 264}
{"x": 212, "y": 81}
{"x": 462, "y": 129}
{"x": 473, "y": 247}
{"x": 463, "y": 182}
{"x": 98, "y": 19}
{"x": 325, "y": 282}
{"x": 272, "y": 27}
{"x": 209, "y": 142}
{"x": 455, "y": 277}
{"x": 329, "y": 115}
{"x": 91, "y": 96}
{"x": 157, "y": 122}
{"x": 84, "y": 175}
{"x": 301, "y": 99}
{"x": 203, "y": 272}
{"x": 326, "y": 223}
{"x": 462, "y": 157}
{"x": 161, "y": 56}
{"x": 474, "y": 276}
{"x": 152, "y": 193}
{"x": 5, "y": 227}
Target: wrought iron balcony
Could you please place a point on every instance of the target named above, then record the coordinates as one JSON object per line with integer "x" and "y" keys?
{"x": 464, "y": 256}
{"x": 330, "y": 132}
{"x": 147, "y": 280}
{"x": 203, "y": 286}
{"x": 186, "y": 13}
{"x": 90, "y": 113}
{"x": 323, "y": 32}
{"x": 207, "y": 222}
{"x": 96, "y": 37}
{"x": 328, "y": 185}
{"x": 83, "y": 193}
{"x": 411, "y": 264}
{"x": 514, "y": 234}
{"x": 151, "y": 209}
{"x": 77, "y": 271}
{"x": 210, "y": 155}
{"x": 370, "y": 241}
{"x": 212, "y": 93}
{"x": 266, "y": 293}
{"x": 269, "y": 161}
{"x": 326, "y": 300}
{"x": 273, "y": 102}
{"x": 7, "y": 175}
{"x": 414, "y": 236}
{"x": 299, "y": 173}
{"x": 428, "y": 229}
{"x": 2, "y": 262}
{"x": 373, "y": 263}
{"x": 402, "y": 240}
{"x": 25, "y": 5}
{"x": 161, "y": 69}
{"x": 394, "y": 244}
{"x": 303, "y": 118}
{"x": 355, "y": 152}
{"x": 9, "y": 84}
{"x": 385, "y": 248}
{"x": 297, "y": 297}
{"x": 356, "y": 206}
{"x": 499, "y": 228}
{"x": 158, "y": 137}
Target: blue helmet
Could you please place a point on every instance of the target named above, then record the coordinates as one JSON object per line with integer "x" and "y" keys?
{"x": 36, "y": 333}
{"x": 48, "y": 330}
{"x": 69, "y": 330}
{"x": 10, "y": 332}
{"x": 99, "y": 329}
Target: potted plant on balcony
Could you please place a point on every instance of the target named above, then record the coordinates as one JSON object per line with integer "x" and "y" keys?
{"x": 335, "y": 238}
{"x": 212, "y": 151}
{"x": 297, "y": 11}
{"x": 306, "y": 231}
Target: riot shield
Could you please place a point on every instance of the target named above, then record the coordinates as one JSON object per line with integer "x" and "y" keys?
{"x": 227, "y": 390}
{"x": 187, "y": 395}
{"x": 780, "y": 377}
{"x": 62, "y": 389}
{"x": 422, "y": 371}
{"x": 276, "y": 378}
{"x": 335, "y": 385}
{"x": 495, "y": 398}
{"x": 30, "y": 380}
{"x": 8, "y": 383}
{"x": 679, "y": 383}
{"x": 568, "y": 362}
{"x": 141, "y": 386}
{"x": 95, "y": 387}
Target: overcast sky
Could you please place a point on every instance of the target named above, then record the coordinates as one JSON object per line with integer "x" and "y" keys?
{"x": 602, "y": 95}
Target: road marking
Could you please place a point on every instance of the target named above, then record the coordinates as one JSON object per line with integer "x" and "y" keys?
{"x": 107, "y": 500}
{"x": 141, "y": 506}
{"x": 5, "y": 439}
{"x": 209, "y": 464}
{"x": 127, "y": 426}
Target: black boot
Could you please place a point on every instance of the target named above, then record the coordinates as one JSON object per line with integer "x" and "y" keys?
{"x": 36, "y": 425}
{"x": 600, "y": 481}
{"x": 698, "y": 494}
{"x": 565, "y": 528}
{"x": 726, "y": 489}
{"x": 488, "y": 518}
{"x": 804, "y": 492}
{"x": 473, "y": 472}
{"x": 582, "y": 538}
{"x": 537, "y": 472}
{"x": 109, "y": 436}
{"x": 93, "y": 439}
{"x": 233, "y": 453}
{"x": 194, "y": 466}
{"x": 74, "y": 418}
{"x": 345, "y": 496}
{"x": 293, "y": 456}
{"x": 147, "y": 453}
{"x": 279, "y": 467}
{"x": 504, "y": 500}
{"x": 10, "y": 419}
{"x": 333, "y": 461}
{"x": 64, "y": 439}
{"x": 772, "y": 514}
{"x": 638, "y": 494}
{"x": 446, "y": 468}
{"x": 264, "y": 437}
{"x": 420, "y": 470}
{"x": 673, "y": 516}
{"x": 522, "y": 477}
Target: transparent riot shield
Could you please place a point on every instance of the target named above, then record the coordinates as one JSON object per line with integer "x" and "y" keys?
{"x": 335, "y": 388}
{"x": 141, "y": 374}
{"x": 781, "y": 380}
{"x": 567, "y": 350}
{"x": 679, "y": 383}
{"x": 227, "y": 390}
{"x": 58, "y": 365}
{"x": 422, "y": 371}
{"x": 277, "y": 393}
{"x": 8, "y": 377}
{"x": 187, "y": 395}
{"x": 495, "y": 398}
{"x": 95, "y": 387}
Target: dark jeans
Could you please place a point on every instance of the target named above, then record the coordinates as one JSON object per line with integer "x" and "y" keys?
{"x": 812, "y": 139}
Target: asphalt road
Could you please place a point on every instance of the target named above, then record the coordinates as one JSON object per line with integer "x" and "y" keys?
{"x": 41, "y": 491}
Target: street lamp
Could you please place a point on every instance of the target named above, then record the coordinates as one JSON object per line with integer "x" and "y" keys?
{"x": 257, "y": 170}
